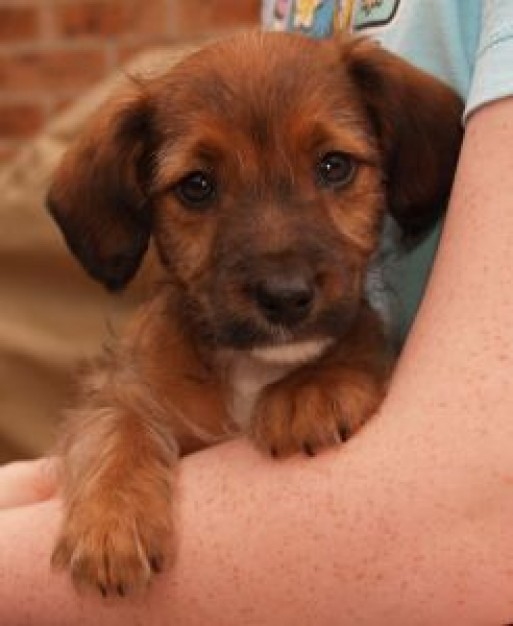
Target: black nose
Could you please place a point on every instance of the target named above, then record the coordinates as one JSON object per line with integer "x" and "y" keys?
{"x": 285, "y": 299}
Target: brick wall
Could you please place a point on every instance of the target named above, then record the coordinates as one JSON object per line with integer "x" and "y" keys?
{"x": 53, "y": 50}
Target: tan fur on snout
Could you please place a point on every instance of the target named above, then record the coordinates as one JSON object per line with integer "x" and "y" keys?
{"x": 259, "y": 323}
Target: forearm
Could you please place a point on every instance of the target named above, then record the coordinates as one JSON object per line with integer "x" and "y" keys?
{"x": 374, "y": 529}
{"x": 378, "y": 528}
{"x": 409, "y": 521}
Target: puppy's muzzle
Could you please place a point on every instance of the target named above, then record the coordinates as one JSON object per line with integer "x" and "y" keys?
{"x": 285, "y": 298}
{"x": 282, "y": 289}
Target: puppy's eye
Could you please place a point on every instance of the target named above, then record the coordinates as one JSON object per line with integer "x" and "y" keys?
{"x": 196, "y": 190}
{"x": 336, "y": 169}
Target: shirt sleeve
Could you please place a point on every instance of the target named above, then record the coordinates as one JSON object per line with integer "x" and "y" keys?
{"x": 493, "y": 71}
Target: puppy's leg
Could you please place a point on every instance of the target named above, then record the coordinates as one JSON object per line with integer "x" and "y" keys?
{"x": 325, "y": 402}
{"x": 119, "y": 468}
{"x": 147, "y": 402}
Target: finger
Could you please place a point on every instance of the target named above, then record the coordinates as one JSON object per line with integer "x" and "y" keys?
{"x": 27, "y": 482}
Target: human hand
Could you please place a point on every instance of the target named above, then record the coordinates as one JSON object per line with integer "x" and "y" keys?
{"x": 27, "y": 482}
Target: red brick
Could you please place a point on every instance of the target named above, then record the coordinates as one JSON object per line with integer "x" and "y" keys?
{"x": 152, "y": 18}
{"x": 108, "y": 18}
{"x": 198, "y": 17}
{"x": 20, "y": 121}
{"x": 18, "y": 23}
{"x": 61, "y": 69}
{"x": 94, "y": 18}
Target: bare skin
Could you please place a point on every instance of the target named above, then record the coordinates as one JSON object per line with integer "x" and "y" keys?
{"x": 27, "y": 482}
{"x": 408, "y": 523}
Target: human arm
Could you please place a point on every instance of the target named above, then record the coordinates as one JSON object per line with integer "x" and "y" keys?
{"x": 27, "y": 482}
{"x": 409, "y": 522}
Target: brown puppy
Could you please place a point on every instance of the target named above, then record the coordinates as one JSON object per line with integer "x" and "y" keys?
{"x": 262, "y": 168}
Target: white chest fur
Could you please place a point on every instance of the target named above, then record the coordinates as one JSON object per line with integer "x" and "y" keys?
{"x": 248, "y": 373}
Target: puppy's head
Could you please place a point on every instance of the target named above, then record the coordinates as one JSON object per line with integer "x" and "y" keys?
{"x": 262, "y": 167}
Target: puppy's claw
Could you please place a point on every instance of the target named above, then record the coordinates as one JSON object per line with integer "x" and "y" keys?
{"x": 344, "y": 432}
{"x": 308, "y": 449}
{"x": 156, "y": 563}
{"x": 121, "y": 591}
{"x": 103, "y": 590}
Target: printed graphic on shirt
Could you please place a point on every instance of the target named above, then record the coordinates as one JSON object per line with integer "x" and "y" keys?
{"x": 305, "y": 12}
{"x": 369, "y": 13}
{"x": 316, "y": 18}
{"x": 343, "y": 13}
{"x": 281, "y": 13}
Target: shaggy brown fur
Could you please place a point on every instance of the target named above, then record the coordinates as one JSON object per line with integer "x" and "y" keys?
{"x": 262, "y": 168}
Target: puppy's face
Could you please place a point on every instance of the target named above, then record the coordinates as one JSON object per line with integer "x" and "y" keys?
{"x": 262, "y": 167}
{"x": 267, "y": 192}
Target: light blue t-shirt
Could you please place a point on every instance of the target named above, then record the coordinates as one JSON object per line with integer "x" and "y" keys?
{"x": 466, "y": 43}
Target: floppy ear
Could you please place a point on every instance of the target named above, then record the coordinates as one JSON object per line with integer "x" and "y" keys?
{"x": 97, "y": 195}
{"x": 417, "y": 120}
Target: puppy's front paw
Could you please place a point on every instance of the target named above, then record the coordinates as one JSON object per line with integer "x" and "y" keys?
{"x": 306, "y": 414}
{"x": 114, "y": 549}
